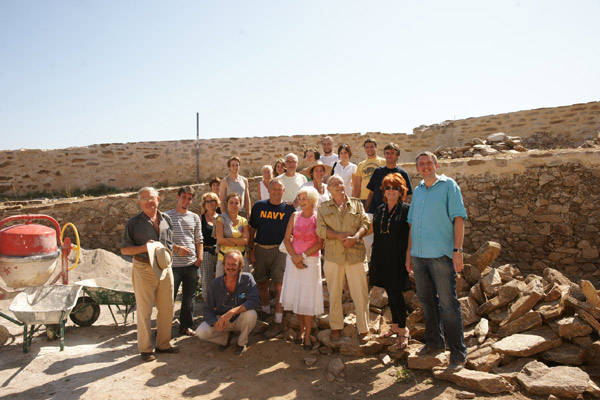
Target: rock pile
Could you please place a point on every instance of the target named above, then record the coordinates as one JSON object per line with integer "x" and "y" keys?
{"x": 496, "y": 143}
{"x": 538, "y": 333}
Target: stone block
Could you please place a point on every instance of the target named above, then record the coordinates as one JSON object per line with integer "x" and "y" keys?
{"x": 551, "y": 275}
{"x": 482, "y": 330}
{"x": 469, "y": 310}
{"x": 529, "y": 320}
{"x": 428, "y": 362}
{"x": 579, "y": 305}
{"x": 564, "y": 382}
{"x": 324, "y": 337}
{"x": 497, "y": 316}
{"x": 485, "y": 255}
{"x": 528, "y": 343}
{"x": 411, "y": 299}
{"x": 550, "y": 310}
{"x": 587, "y": 317}
{"x": 590, "y": 293}
{"x": 490, "y": 283}
{"x": 567, "y": 354}
{"x": 571, "y": 326}
{"x": 508, "y": 272}
{"x": 506, "y": 293}
{"x": 353, "y": 348}
{"x": 476, "y": 293}
{"x": 336, "y": 366}
{"x": 378, "y": 297}
{"x": 474, "y": 380}
{"x": 529, "y": 298}
{"x": 471, "y": 273}
{"x": 512, "y": 368}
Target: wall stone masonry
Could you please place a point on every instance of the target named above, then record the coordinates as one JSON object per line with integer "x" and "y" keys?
{"x": 541, "y": 206}
{"x": 132, "y": 165}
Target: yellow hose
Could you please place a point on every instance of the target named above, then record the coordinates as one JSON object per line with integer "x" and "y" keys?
{"x": 77, "y": 247}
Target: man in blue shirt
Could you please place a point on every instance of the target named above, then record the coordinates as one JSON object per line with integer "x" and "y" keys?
{"x": 230, "y": 305}
{"x": 435, "y": 255}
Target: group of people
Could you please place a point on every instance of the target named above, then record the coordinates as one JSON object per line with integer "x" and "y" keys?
{"x": 321, "y": 213}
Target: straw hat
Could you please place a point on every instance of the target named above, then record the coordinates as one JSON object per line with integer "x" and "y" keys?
{"x": 308, "y": 171}
{"x": 161, "y": 258}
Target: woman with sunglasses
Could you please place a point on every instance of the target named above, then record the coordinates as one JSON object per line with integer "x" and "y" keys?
{"x": 210, "y": 206}
{"x": 390, "y": 242}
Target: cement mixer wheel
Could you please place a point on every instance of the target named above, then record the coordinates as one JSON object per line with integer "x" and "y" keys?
{"x": 85, "y": 312}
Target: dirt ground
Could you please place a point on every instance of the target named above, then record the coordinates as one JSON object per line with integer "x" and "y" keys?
{"x": 102, "y": 361}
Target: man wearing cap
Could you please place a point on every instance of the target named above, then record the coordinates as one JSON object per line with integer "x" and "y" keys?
{"x": 148, "y": 237}
{"x": 231, "y": 305}
{"x": 187, "y": 255}
{"x": 268, "y": 222}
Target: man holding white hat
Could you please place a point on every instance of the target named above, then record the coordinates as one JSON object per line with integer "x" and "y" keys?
{"x": 148, "y": 237}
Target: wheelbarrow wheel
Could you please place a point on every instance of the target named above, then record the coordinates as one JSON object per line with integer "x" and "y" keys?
{"x": 85, "y": 312}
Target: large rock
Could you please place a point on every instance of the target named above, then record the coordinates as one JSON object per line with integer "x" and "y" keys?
{"x": 538, "y": 379}
{"x": 324, "y": 337}
{"x": 428, "y": 361}
{"x": 490, "y": 283}
{"x": 530, "y": 320}
{"x": 530, "y": 297}
{"x": 498, "y": 316}
{"x": 354, "y": 349}
{"x": 567, "y": 354}
{"x": 506, "y": 294}
{"x": 550, "y": 310}
{"x": 571, "y": 326}
{"x": 474, "y": 380}
{"x": 553, "y": 276}
{"x": 476, "y": 293}
{"x": 590, "y": 293}
{"x": 510, "y": 370}
{"x": 378, "y": 297}
{"x": 482, "y": 329}
{"x": 508, "y": 272}
{"x": 587, "y": 317}
{"x": 485, "y": 255}
{"x": 471, "y": 273}
{"x": 483, "y": 359}
{"x": 468, "y": 306}
{"x": 528, "y": 343}
{"x": 335, "y": 366}
{"x": 579, "y": 305}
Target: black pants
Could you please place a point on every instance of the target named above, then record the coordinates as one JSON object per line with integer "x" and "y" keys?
{"x": 188, "y": 276}
{"x": 397, "y": 305}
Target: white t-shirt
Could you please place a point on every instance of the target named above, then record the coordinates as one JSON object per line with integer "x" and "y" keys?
{"x": 346, "y": 174}
{"x": 322, "y": 197}
{"x": 291, "y": 184}
{"x": 264, "y": 191}
{"x": 329, "y": 160}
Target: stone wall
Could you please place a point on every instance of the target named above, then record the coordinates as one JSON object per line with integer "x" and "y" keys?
{"x": 541, "y": 206}
{"x": 133, "y": 165}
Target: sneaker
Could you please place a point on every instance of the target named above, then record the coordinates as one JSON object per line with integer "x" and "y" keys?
{"x": 170, "y": 350}
{"x": 239, "y": 350}
{"x": 148, "y": 357}
{"x": 274, "y": 330}
{"x": 455, "y": 366}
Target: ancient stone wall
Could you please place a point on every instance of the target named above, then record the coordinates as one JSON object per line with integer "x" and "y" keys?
{"x": 541, "y": 206}
{"x": 133, "y": 165}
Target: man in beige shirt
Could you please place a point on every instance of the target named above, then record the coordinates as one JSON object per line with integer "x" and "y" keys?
{"x": 342, "y": 222}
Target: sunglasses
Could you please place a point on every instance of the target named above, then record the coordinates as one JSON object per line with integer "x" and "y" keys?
{"x": 210, "y": 201}
{"x": 392, "y": 188}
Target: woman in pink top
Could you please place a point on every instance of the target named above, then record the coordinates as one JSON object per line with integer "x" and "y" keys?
{"x": 302, "y": 290}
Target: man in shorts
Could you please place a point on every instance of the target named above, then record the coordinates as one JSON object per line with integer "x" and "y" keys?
{"x": 268, "y": 222}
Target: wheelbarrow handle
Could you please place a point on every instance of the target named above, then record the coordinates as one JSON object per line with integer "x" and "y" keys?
{"x": 31, "y": 217}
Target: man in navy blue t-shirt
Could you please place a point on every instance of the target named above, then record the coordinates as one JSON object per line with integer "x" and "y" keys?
{"x": 391, "y": 153}
{"x": 268, "y": 222}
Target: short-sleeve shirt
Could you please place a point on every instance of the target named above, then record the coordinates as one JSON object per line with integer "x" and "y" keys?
{"x": 139, "y": 229}
{"x": 329, "y": 160}
{"x": 187, "y": 231}
{"x": 376, "y": 181}
{"x": 237, "y": 232}
{"x": 270, "y": 221}
{"x": 365, "y": 170}
{"x": 292, "y": 184}
{"x": 431, "y": 215}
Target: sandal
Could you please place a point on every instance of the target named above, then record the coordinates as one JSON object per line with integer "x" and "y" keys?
{"x": 403, "y": 340}
{"x": 187, "y": 332}
{"x": 388, "y": 334}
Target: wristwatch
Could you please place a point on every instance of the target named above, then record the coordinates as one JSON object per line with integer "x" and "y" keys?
{"x": 458, "y": 250}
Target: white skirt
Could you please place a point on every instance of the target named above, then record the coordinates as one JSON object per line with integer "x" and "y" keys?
{"x": 302, "y": 290}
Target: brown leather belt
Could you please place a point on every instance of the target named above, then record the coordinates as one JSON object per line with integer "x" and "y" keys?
{"x": 140, "y": 259}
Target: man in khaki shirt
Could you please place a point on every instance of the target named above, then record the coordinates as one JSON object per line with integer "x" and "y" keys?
{"x": 342, "y": 222}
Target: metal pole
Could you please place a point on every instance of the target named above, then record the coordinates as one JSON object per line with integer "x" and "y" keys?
{"x": 197, "y": 148}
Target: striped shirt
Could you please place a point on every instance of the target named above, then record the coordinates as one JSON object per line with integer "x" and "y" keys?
{"x": 187, "y": 230}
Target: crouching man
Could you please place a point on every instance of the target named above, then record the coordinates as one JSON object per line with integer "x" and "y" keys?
{"x": 230, "y": 305}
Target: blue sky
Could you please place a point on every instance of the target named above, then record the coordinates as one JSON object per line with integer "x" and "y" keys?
{"x": 74, "y": 73}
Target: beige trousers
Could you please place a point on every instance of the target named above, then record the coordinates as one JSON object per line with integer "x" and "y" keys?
{"x": 244, "y": 324}
{"x": 149, "y": 291}
{"x": 359, "y": 291}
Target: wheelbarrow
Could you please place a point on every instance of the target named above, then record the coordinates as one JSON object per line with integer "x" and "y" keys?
{"x": 103, "y": 291}
{"x": 43, "y": 305}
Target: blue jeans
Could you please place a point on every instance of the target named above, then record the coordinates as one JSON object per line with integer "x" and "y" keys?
{"x": 435, "y": 279}
{"x": 188, "y": 276}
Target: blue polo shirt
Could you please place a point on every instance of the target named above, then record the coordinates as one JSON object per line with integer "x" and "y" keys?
{"x": 431, "y": 215}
